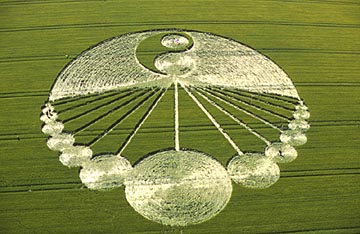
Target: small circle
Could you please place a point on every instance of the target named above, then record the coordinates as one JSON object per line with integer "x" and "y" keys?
{"x": 75, "y": 156}
{"x": 105, "y": 172}
{"x": 178, "y": 188}
{"x": 174, "y": 63}
{"x": 293, "y": 137}
{"x": 60, "y": 142}
{"x": 175, "y": 41}
{"x": 49, "y": 117}
{"x": 301, "y": 107}
{"x": 299, "y": 124}
{"x": 253, "y": 171}
{"x": 48, "y": 108}
{"x": 53, "y": 128}
{"x": 281, "y": 153}
{"x": 301, "y": 114}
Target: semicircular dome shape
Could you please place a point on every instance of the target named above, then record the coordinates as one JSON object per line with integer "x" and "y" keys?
{"x": 218, "y": 61}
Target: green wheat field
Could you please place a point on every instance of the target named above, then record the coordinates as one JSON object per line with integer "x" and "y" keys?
{"x": 316, "y": 42}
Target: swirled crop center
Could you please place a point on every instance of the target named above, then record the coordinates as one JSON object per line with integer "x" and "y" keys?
{"x": 178, "y": 188}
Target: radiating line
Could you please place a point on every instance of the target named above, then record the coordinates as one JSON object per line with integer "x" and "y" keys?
{"x": 255, "y": 106}
{"x": 245, "y": 111}
{"x": 176, "y": 116}
{"x": 213, "y": 120}
{"x": 108, "y": 112}
{"x": 71, "y": 99}
{"x": 101, "y": 106}
{"x": 95, "y": 100}
{"x": 77, "y": 98}
{"x": 293, "y": 101}
{"x": 140, "y": 123}
{"x": 258, "y": 135}
{"x": 118, "y": 121}
{"x": 258, "y": 99}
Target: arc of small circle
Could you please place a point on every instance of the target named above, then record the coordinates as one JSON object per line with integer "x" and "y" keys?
{"x": 141, "y": 122}
{"x": 112, "y": 94}
{"x": 104, "y": 105}
{"x": 122, "y": 118}
{"x": 213, "y": 120}
{"x": 95, "y": 120}
{"x": 252, "y": 131}
{"x": 244, "y": 111}
{"x": 258, "y": 99}
{"x": 253, "y": 106}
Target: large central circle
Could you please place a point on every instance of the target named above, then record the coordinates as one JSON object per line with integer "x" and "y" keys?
{"x": 178, "y": 188}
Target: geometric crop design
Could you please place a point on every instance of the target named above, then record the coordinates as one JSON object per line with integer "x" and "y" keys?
{"x": 117, "y": 86}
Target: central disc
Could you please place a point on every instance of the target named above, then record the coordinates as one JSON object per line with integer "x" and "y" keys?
{"x": 178, "y": 188}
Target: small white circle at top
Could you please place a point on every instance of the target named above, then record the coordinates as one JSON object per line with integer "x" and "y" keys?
{"x": 174, "y": 41}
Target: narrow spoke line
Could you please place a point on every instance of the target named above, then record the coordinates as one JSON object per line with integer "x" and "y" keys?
{"x": 93, "y": 100}
{"x": 259, "y": 100}
{"x": 254, "y": 132}
{"x": 213, "y": 120}
{"x": 140, "y": 123}
{"x": 254, "y": 106}
{"x": 108, "y": 113}
{"x": 101, "y": 106}
{"x": 295, "y": 101}
{"x": 70, "y": 99}
{"x": 73, "y": 99}
{"x": 176, "y": 117}
{"x": 122, "y": 118}
{"x": 245, "y": 111}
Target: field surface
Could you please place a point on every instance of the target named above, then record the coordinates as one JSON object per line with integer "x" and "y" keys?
{"x": 316, "y": 42}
